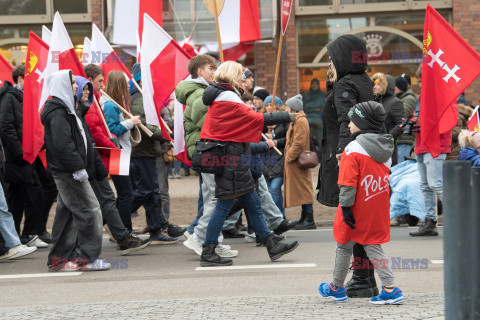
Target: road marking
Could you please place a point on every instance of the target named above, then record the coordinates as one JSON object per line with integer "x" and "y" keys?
{"x": 262, "y": 266}
{"x": 437, "y": 261}
{"x": 40, "y": 275}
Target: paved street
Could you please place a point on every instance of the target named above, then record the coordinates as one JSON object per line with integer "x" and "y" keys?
{"x": 165, "y": 282}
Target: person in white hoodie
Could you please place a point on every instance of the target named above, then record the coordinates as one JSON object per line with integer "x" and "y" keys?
{"x": 77, "y": 228}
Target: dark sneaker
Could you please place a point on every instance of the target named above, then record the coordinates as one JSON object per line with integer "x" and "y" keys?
{"x": 28, "y": 239}
{"x": 429, "y": 228}
{"x": 284, "y": 226}
{"x": 176, "y": 231}
{"x": 162, "y": 238}
{"x": 232, "y": 234}
{"x": 131, "y": 244}
{"x": 46, "y": 237}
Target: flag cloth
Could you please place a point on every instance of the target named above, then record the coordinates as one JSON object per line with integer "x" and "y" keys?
{"x": 46, "y": 35}
{"x": 36, "y": 61}
{"x": 87, "y": 52}
{"x": 128, "y": 19}
{"x": 474, "y": 121}
{"x": 286, "y": 11}
{"x": 164, "y": 65}
{"x": 450, "y": 65}
{"x": 179, "y": 145}
{"x": 5, "y": 70}
{"x": 120, "y": 162}
{"x": 103, "y": 55}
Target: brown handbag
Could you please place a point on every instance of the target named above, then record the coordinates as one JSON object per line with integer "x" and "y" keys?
{"x": 307, "y": 160}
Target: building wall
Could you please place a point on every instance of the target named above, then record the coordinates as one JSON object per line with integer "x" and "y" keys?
{"x": 97, "y": 13}
{"x": 265, "y": 61}
{"x": 467, "y": 24}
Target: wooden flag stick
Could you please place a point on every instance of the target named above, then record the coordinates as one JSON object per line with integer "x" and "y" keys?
{"x": 101, "y": 116}
{"x": 217, "y": 24}
{"x": 277, "y": 68}
{"x": 140, "y": 90}
{"x": 274, "y": 148}
{"x": 145, "y": 129}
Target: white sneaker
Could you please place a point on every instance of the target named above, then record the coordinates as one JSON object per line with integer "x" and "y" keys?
{"x": 225, "y": 252}
{"x": 250, "y": 238}
{"x": 97, "y": 265}
{"x": 38, "y": 243}
{"x": 23, "y": 251}
{"x": 224, "y": 245}
{"x": 187, "y": 234}
{"x": 194, "y": 245}
{"x": 8, "y": 254}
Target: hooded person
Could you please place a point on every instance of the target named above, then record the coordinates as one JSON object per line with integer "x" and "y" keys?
{"x": 409, "y": 98}
{"x": 313, "y": 102}
{"x": 348, "y": 85}
{"x": 77, "y": 229}
{"x": 363, "y": 214}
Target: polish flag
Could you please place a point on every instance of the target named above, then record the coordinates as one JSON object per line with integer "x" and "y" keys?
{"x": 239, "y": 26}
{"x": 474, "y": 121}
{"x": 164, "y": 65}
{"x": 103, "y": 55}
{"x": 188, "y": 46}
{"x": 34, "y": 80}
{"x": 128, "y": 19}
{"x": 5, "y": 70}
{"x": 46, "y": 35}
{"x": 179, "y": 145}
{"x": 87, "y": 52}
{"x": 120, "y": 162}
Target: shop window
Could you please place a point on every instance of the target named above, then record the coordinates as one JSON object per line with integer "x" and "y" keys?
{"x": 315, "y": 2}
{"x": 70, "y": 7}
{"x": 22, "y": 7}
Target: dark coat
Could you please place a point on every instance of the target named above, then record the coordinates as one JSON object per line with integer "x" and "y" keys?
{"x": 236, "y": 178}
{"x": 271, "y": 171}
{"x": 464, "y": 113}
{"x": 394, "y": 108}
{"x": 352, "y": 86}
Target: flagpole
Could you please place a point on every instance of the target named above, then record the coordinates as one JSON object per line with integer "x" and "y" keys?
{"x": 101, "y": 116}
{"x": 274, "y": 148}
{"x": 140, "y": 90}
{"x": 277, "y": 68}
{"x": 217, "y": 24}
{"x": 145, "y": 129}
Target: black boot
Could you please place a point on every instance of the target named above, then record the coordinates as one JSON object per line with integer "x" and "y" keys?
{"x": 306, "y": 224}
{"x": 276, "y": 249}
{"x": 284, "y": 226}
{"x": 429, "y": 228}
{"x": 361, "y": 286}
{"x": 210, "y": 259}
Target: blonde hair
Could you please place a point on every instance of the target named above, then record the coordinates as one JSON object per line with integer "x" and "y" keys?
{"x": 229, "y": 72}
{"x": 382, "y": 79}
{"x": 465, "y": 139}
{"x": 332, "y": 74}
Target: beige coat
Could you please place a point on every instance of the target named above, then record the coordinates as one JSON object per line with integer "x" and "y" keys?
{"x": 297, "y": 182}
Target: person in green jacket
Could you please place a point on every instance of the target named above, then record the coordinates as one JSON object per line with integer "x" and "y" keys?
{"x": 409, "y": 98}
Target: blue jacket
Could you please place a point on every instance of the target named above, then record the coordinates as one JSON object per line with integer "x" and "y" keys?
{"x": 470, "y": 154}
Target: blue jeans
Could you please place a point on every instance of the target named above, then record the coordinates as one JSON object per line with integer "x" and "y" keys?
{"x": 176, "y": 167}
{"x": 431, "y": 178}
{"x": 251, "y": 201}
{"x": 123, "y": 186}
{"x": 404, "y": 151}
{"x": 194, "y": 223}
{"x": 7, "y": 225}
{"x": 275, "y": 188}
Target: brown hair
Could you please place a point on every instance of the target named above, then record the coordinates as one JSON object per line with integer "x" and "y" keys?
{"x": 246, "y": 97}
{"x": 200, "y": 61}
{"x": 92, "y": 71}
{"x": 117, "y": 88}
{"x": 275, "y": 107}
{"x": 18, "y": 71}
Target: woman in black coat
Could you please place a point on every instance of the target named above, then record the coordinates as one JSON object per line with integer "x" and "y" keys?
{"x": 348, "y": 84}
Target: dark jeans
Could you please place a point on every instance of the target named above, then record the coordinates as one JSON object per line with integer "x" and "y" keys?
{"x": 162, "y": 173}
{"x": 123, "y": 186}
{"x": 147, "y": 193}
{"x": 194, "y": 223}
{"x": 77, "y": 228}
{"x": 252, "y": 204}
{"x": 107, "y": 201}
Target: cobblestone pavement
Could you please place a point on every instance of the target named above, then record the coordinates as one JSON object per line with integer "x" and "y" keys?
{"x": 416, "y": 306}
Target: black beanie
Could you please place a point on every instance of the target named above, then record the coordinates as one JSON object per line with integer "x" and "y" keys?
{"x": 368, "y": 115}
{"x": 262, "y": 94}
{"x": 401, "y": 83}
{"x": 407, "y": 77}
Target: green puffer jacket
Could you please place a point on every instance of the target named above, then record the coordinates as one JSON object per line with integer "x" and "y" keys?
{"x": 409, "y": 99}
{"x": 189, "y": 93}
{"x": 149, "y": 146}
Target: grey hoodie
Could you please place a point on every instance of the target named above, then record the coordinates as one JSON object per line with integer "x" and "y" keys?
{"x": 380, "y": 148}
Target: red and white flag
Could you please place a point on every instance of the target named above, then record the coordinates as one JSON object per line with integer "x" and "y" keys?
{"x": 450, "y": 65}
{"x": 87, "y": 52}
{"x": 120, "y": 162}
{"x": 36, "y": 61}
{"x": 474, "y": 122}
{"x": 286, "y": 11}
{"x": 164, "y": 65}
{"x": 128, "y": 19}
{"x": 5, "y": 70}
{"x": 103, "y": 55}
{"x": 46, "y": 35}
{"x": 239, "y": 26}
{"x": 179, "y": 145}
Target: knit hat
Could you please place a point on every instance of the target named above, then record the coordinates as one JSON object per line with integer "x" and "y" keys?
{"x": 368, "y": 115}
{"x": 261, "y": 94}
{"x": 247, "y": 73}
{"x": 296, "y": 103}
{"x": 136, "y": 72}
{"x": 401, "y": 83}
{"x": 269, "y": 99}
{"x": 407, "y": 77}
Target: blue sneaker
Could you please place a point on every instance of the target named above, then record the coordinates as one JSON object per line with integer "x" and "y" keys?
{"x": 394, "y": 297}
{"x": 325, "y": 290}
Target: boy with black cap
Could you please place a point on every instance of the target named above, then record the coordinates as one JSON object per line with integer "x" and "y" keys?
{"x": 363, "y": 214}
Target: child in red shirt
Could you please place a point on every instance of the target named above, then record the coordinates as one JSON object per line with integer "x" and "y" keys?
{"x": 363, "y": 214}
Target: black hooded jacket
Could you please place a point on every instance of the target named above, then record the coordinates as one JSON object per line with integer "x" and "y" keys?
{"x": 394, "y": 108}
{"x": 236, "y": 177}
{"x": 353, "y": 85}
